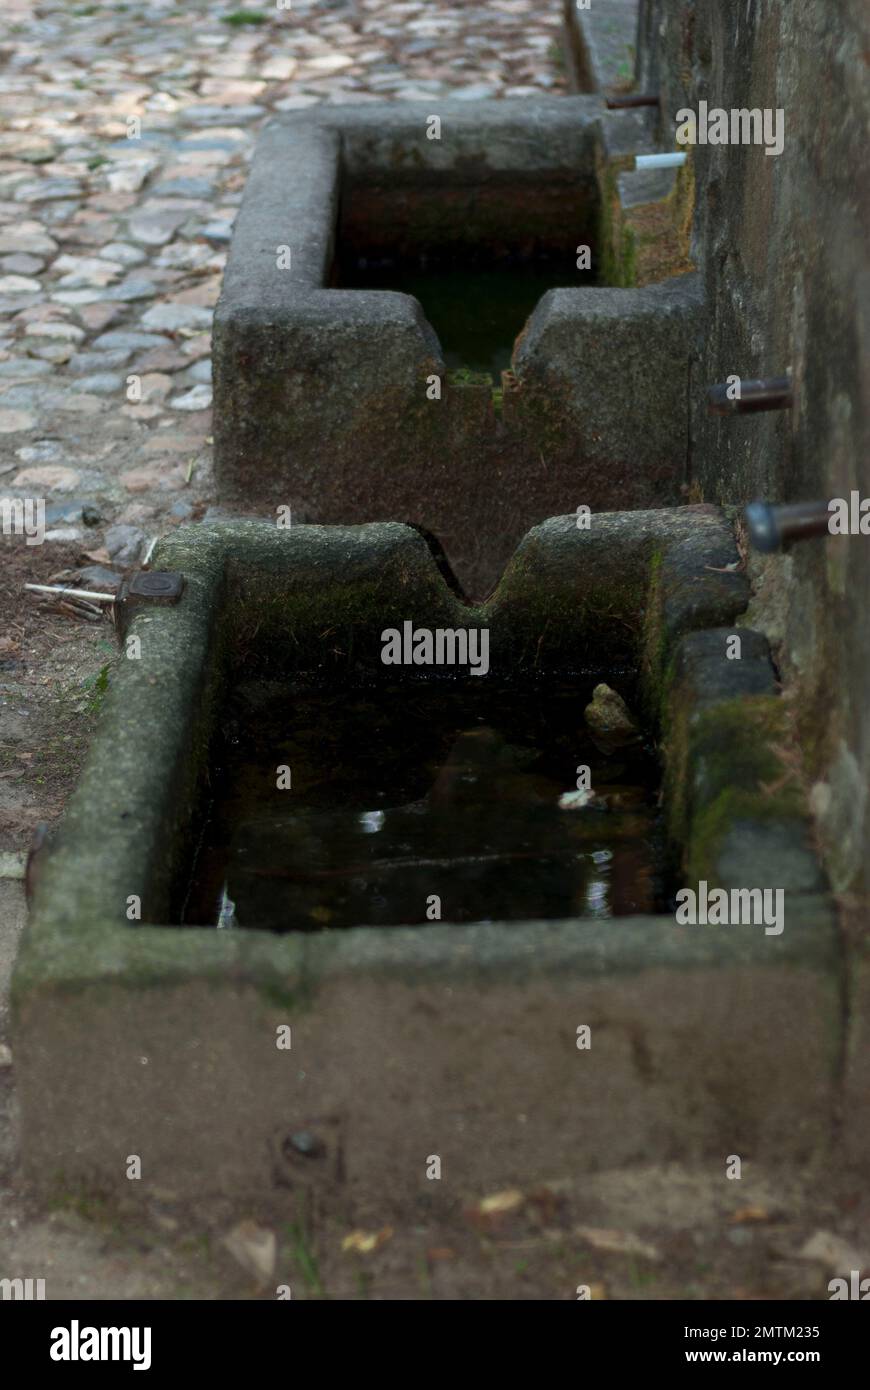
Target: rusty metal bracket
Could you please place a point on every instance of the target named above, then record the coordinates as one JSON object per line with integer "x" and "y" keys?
{"x": 140, "y": 590}
{"x": 143, "y": 590}
{"x": 152, "y": 586}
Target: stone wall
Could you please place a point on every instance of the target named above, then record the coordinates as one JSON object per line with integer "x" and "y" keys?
{"x": 782, "y": 242}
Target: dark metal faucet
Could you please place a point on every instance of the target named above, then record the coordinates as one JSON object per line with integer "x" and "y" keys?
{"x": 772, "y": 528}
{"x": 621, "y": 101}
{"x": 766, "y": 393}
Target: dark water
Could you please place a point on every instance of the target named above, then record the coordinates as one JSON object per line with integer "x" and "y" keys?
{"x": 476, "y": 313}
{"x": 404, "y": 793}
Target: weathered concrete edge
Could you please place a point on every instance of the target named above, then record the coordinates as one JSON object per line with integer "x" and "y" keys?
{"x": 292, "y": 968}
{"x": 561, "y": 317}
{"x": 334, "y": 142}
{"x": 591, "y": 41}
{"x": 513, "y": 135}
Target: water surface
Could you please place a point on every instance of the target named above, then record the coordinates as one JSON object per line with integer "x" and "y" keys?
{"x": 407, "y": 793}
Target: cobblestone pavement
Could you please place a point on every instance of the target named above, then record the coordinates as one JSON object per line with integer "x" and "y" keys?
{"x": 112, "y": 248}
{"x": 111, "y": 253}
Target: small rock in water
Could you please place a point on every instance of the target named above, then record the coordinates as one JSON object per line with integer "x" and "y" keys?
{"x": 226, "y": 910}
{"x": 608, "y": 713}
{"x": 576, "y": 801}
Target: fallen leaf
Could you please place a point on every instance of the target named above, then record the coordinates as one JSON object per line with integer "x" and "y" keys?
{"x": 100, "y": 556}
{"x": 510, "y": 1200}
{"x": 616, "y": 1242}
{"x": 744, "y": 1215}
{"x": 364, "y": 1242}
{"x": 254, "y": 1247}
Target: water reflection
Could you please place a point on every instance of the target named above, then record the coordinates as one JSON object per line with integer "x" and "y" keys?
{"x": 471, "y": 822}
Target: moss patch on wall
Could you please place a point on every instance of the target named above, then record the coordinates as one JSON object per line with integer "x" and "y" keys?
{"x": 660, "y": 233}
{"x": 731, "y": 761}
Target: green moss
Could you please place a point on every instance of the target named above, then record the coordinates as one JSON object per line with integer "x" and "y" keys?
{"x": 93, "y": 1207}
{"x": 240, "y": 17}
{"x": 710, "y": 828}
{"x": 292, "y": 1002}
{"x": 682, "y": 205}
{"x": 98, "y": 685}
{"x": 464, "y": 376}
{"x": 617, "y": 252}
{"x": 654, "y": 686}
{"x": 724, "y": 764}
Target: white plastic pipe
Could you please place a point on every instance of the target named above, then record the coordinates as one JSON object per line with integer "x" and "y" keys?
{"x": 660, "y": 161}
{"x": 87, "y": 594}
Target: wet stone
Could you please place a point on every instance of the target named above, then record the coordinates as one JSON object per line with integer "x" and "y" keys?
{"x": 43, "y": 451}
{"x": 69, "y": 511}
{"x": 198, "y": 398}
{"x": 118, "y": 339}
{"x": 15, "y": 422}
{"x": 160, "y": 360}
{"x": 200, "y": 371}
{"x": 101, "y": 383}
{"x": 185, "y": 188}
{"x": 54, "y": 477}
{"x": 77, "y": 298}
{"x": 155, "y": 228}
{"x": 57, "y": 328}
{"x": 175, "y": 316}
{"x": 18, "y": 284}
{"x": 130, "y": 290}
{"x": 219, "y": 232}
{"x": 24, "y": 368}
{"x": 28, "y": 237}
{"x": 9, "y": 303}
{"x": 45, "y": 190}
{"x": 222, "y": 115}
{"x": 123, "y": 253}
{"x": 98, "y": 363}
{"x": 21, "y": 264}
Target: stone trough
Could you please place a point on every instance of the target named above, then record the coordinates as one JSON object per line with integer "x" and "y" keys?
{"x": 338, "y": 401}
{"x": 142, "y": 1037}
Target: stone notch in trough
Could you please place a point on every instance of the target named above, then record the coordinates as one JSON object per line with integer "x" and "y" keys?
{"x": 324, "y": 396}
{"x": 140, "y": 1037}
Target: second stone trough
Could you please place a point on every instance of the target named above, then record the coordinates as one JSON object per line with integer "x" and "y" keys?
{"x": 338, "y": 402}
